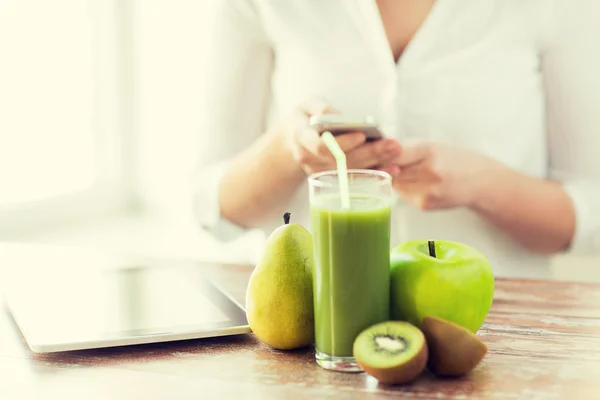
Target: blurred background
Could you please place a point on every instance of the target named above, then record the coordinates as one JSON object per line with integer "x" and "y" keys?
{"x": 99, "y": 128}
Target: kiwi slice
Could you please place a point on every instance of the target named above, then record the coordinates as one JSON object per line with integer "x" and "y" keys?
{"x": 453, "y": 350}
{"x": 394, "y": 352}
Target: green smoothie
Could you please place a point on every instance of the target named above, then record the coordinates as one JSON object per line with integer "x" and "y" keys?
{"x": 352, "y": 271}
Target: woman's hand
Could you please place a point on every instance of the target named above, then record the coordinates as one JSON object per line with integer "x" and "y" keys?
{"x": 312, "y": 155}
{"x": 436, "y": 176}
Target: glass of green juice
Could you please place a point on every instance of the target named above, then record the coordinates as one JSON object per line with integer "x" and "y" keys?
{"x": 352, "y": 261}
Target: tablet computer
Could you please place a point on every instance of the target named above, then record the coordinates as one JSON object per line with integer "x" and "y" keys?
{"x": 66, "y": 298}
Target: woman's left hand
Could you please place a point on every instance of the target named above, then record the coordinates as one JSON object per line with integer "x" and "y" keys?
{"x": 433, "y": 175}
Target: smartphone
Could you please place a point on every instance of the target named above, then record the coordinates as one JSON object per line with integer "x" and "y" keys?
{"x": 339, "y": 124}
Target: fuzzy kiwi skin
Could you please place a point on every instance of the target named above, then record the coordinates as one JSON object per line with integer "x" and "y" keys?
{"x": 453, "y": 350}
{"x": 400, "y": 374}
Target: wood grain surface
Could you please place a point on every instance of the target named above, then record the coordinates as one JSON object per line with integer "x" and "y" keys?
{"x": 543, "y": 339}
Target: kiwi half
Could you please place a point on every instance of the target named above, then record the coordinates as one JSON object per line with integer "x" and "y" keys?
{"x": 394, "y": 352}
{"x": 453, "y": 350}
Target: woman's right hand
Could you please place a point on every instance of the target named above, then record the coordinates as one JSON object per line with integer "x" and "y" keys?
{"x": 311, "y": 153}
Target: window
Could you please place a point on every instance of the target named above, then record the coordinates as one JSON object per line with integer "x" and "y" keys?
{"x": 64, "y": 111}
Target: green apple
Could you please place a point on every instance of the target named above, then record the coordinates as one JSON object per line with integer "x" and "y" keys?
{"x": 444, "y": 279}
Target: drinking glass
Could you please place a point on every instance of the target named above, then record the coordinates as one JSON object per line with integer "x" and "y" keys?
{"x": 352, "y": 261}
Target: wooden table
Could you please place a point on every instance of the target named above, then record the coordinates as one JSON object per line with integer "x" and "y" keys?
{"x": 543, "y": 339}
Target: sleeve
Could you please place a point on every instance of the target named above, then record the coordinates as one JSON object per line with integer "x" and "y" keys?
{"x": 571, "y": 68}
{"x": 234, "y": 103}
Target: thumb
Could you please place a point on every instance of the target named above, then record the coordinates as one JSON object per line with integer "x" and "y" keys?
{"x": 317, "y": 106}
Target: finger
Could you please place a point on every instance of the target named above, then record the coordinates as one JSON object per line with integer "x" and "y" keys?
{"x": 391, "y": 169}
{"x": 311, "y": 163}
{"x": 370, "y": 155}
{"x": 413, "y": 153}
{"x": 317, "y": 106}
{"x": 350, "y": 141}
{"x": 312, "y": 141}
{"x": 414, "y": 173}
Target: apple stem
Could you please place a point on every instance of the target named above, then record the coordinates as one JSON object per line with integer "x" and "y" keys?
{"x": 286, "y": 218}
{"x": 431, "y": 248}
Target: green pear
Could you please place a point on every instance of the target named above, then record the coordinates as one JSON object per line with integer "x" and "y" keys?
{"x": 279, "y": 298}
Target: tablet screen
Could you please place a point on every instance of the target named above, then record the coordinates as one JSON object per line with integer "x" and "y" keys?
{"x": 69, "y": 299}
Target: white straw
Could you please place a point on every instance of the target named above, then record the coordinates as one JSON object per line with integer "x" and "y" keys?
{"x": 340, "y": 160}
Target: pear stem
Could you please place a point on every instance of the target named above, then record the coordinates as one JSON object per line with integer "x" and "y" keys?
{"x": 286, "y": 218}
{"x": 431, "y": 248}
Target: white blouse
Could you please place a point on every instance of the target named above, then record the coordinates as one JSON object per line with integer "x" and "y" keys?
{"x": 518, "y": 80}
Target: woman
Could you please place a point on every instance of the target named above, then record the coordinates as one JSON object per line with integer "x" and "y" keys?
{"x": 490, "y": 110}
